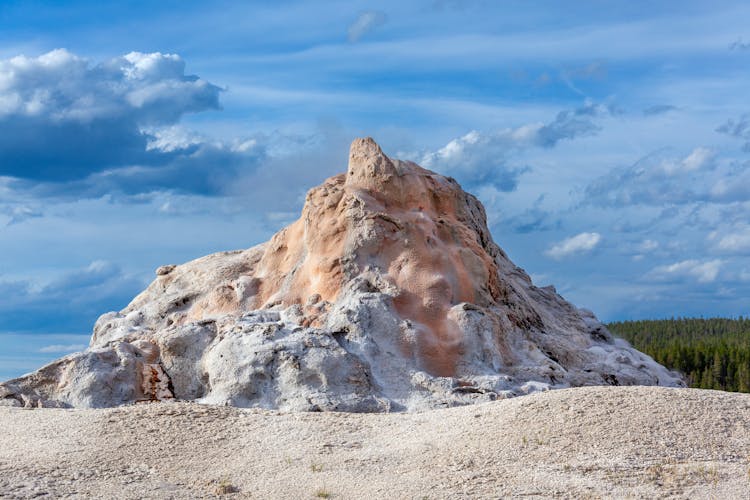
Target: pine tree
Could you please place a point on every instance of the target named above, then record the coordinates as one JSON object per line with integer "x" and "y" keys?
{"x": 712, "y": 352}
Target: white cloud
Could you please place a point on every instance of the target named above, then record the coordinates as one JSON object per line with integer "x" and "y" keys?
{"x": 702, "y": 271}
{"x": 648, "y": 246}
{"x": 60, "y": 348}
{"x": 477, "y": 158}
{"x": 732, "y": 186}
{"x": 19, "y": 213}
{"x": 645, "y": 247}
{"x": 64, "y": 118}
{"x": 580, "y": 243}
{"x": 365, "y": 23}
{"x": 699, "y": 158}
{"x": 659, "y": 179}
{"x": 737, "y": 241}
{"x": 63, "y": 87}
{"x": 483, "y": 158}
{"x": 171, "y": 139}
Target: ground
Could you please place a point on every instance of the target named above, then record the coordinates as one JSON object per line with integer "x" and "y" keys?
{"x": 637, "y": 442}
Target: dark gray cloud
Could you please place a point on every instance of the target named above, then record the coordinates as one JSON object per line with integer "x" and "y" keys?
{"x": 658, "y": 109}
{"x": 534, "y": 219}
{"x": 208, "y": 169}
{"x": 570, "y": 124}
{"x": 739, "y": 45}
{"x": 63, "y": 118}
{"x": 71, "y": 302}
{"x": 739, "y": 128}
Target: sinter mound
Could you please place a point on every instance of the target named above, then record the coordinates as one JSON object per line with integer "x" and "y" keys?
{"x": 387, "y": 294}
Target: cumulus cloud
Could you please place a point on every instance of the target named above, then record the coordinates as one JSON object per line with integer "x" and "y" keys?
{"x": 74, "y": 129}
{"x": 172, "y": 138}
{"x": 477, "y": 158}
{"x": 575, "y": 245}
{"x": 63, "y": 117}
{"x": 569, "y": 124}
{"x": 485, "y": 158}
{"x": 697, "y": 159}
{"x": 701, "y": 271}
{"x": 657, "y": 179}
{"x": 643, "y": 248}
{"x": 366, "y": 23}
{"x": 732, "y": 186}
{"x": 737, "y": 241}
{"x": 648, "y": 245}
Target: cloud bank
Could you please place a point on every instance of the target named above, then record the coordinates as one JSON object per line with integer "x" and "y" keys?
{"x": 64, "y": 118}
{"x": 487, "y": 158}
{"x": 70, "y": 302}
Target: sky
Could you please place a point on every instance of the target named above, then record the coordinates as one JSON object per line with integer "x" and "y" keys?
{"x": 609, "y": 144}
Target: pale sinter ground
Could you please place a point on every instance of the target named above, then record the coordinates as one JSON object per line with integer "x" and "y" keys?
{"x": 612, "y": 442}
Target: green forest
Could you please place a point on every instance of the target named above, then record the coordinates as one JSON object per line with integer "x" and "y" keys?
{"x": 713, "y": 353}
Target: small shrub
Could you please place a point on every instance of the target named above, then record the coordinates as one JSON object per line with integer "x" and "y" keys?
{"x": 225, "y": 487}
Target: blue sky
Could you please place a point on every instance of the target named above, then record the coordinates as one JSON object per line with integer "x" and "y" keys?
{"x": 610, "y": 146}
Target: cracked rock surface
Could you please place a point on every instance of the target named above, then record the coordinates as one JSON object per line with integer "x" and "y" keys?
{"x": 388, "y": 294}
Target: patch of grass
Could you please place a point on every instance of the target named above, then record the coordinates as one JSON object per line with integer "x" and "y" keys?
{"x": 682, "y": 474}
{"x": 225, "y": 487}
{"x": 708, "y": 474}
{"x": 316, "y": 467}
{"x": 323, "y": 493}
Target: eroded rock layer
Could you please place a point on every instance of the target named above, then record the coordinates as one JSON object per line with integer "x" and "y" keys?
{"x": 387, "y": 294}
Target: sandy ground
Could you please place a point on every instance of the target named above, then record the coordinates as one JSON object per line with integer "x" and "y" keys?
{"x": 611, "y": 442}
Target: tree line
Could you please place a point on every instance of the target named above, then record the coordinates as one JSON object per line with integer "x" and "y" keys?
{"x": 712, "y": 353}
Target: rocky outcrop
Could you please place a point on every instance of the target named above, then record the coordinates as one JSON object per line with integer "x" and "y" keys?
{"x": 387, "y": 294}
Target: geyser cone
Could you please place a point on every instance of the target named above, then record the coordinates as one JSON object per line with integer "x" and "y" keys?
{"x": 388, "y": 293}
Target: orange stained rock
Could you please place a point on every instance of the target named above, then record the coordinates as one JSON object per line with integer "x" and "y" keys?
{"x": 419, "y": 230}
{"x": 413, "y": 226}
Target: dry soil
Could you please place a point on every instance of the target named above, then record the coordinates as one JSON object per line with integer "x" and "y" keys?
{"x": 596, "y": 442}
